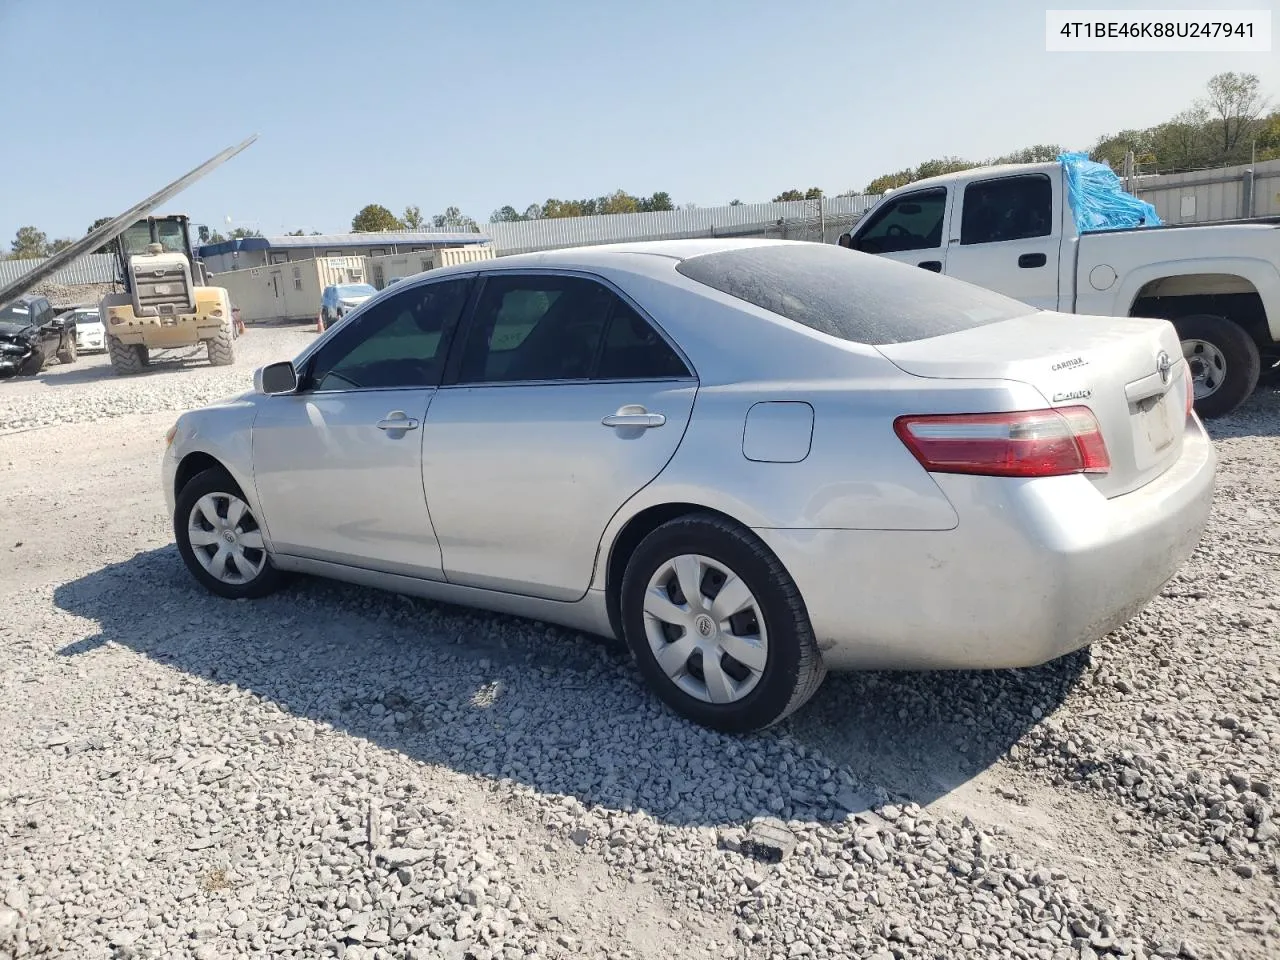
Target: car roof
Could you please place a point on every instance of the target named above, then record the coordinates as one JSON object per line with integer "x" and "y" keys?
{"x": 651, "y": 257}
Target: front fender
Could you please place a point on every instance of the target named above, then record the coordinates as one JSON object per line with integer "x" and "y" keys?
{"x": 224, "y": 433}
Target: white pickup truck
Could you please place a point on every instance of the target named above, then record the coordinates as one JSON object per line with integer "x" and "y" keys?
{"x": 1011, "y": 229}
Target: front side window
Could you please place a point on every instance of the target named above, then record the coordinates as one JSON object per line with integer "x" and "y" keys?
{"x": 910, "y": 222}
{"x": 1012, "y": 208}
{"x": 394, "y": 344}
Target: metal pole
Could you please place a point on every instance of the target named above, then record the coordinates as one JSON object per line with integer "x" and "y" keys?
{"x": 822, "y": 221}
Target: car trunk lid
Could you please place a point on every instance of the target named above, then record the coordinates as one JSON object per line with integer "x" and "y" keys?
{"x": 1128, "y": 371}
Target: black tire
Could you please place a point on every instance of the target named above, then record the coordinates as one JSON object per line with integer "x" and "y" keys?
{"x": 793, "y": 668}
{"x": 33, "y": 365}
{"x": 215, "y": 480}
{"x": 1241, "y": 363}
{"x": 126, "y": 359}
{"x": 222, "y": 351}
{"x": 68, "y": 353}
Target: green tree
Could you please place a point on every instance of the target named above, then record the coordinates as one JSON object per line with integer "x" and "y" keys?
{"x": 735, "y": 203}
{"x": 1235, "y": 105}
{"x": 105, "y": 248}
{"x": 454, "y": 219}
{"x": 413, "y": 218}
{"x": 239, "y": 233}
{"x": 506, "y": 214}
{"x": 59, "y": 245}
{"x": 1040, "y": 153}
{"x": 533, "y": 211}
{"x": 295, "y": 233}
{"x": 661, "y": 200}
{"x": 1269, "y": 138}
{"x": 29, "y": 244}
{"x": 375, "y": 218}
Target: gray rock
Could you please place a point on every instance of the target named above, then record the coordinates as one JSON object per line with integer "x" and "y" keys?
{"x": 768, "y": 839}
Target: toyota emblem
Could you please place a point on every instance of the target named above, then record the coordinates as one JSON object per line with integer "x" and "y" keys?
{"x": 1164, "y": 366}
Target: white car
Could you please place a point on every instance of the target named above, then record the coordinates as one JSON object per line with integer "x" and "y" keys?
{"x": 91, "y": 335}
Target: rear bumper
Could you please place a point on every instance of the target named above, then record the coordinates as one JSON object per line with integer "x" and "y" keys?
{"x": 1034, "y": 570}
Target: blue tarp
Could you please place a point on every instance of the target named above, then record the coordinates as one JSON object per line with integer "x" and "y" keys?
{"x": 1097, "y": 197}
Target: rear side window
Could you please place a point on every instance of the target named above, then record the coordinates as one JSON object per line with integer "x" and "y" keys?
{"x": 1011, "y": 208}
{"x": 853, "y": 296}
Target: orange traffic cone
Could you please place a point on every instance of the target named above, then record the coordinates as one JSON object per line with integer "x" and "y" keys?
{"x": 319, "y": 323}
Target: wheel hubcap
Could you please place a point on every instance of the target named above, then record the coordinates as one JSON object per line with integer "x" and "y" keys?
{"x": 225, "y": 538}
{"x": 705, "y": 629}
{"x": 1208, "y": 366}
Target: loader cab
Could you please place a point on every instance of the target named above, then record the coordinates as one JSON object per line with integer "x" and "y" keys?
{"x": 171, "y": 232}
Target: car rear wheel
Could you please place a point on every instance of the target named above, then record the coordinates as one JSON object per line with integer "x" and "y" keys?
{"x": 220, "y": 539}
{"x": 717, "y": 626}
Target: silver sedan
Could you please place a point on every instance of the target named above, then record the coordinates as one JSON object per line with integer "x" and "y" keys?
{"x": 753, "y": 461}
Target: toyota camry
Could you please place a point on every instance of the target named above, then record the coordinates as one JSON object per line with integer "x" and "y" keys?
{"x": 753, "y": 461}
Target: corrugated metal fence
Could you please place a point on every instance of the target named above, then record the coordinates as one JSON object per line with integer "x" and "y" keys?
{"x": 92, "y": 268}
{"x": 1225, "y": 193}
{"x": 822, "y": 219}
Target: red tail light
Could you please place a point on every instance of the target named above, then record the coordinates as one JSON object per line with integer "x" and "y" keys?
{"x": 1191, "y": 387}
{"x": 1022, "y": 443}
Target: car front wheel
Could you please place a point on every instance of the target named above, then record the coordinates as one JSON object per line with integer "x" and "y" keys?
{"x": 220, "y": 539}
{"x": 717, "y": 626}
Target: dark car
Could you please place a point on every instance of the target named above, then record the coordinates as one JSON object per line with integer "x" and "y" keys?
{"x": 30, "y": 333}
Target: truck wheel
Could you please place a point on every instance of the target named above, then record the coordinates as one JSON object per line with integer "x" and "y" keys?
{"x": 1224, "y": 360}
{"x": 126, "y": 359}
{"x": 34, "y": 364}
{"x": 68, "y": 353}
{"x": 222, "y": 352}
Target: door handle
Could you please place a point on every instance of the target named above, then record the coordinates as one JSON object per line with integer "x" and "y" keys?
{"x": 934, "y": 265}
{"x": 1032, "y": 260}
{"x": 397, "y": 420}
{"x": 634, "y": 415}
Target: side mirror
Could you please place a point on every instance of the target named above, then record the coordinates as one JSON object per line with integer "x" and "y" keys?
{"x": 276, "y": 378}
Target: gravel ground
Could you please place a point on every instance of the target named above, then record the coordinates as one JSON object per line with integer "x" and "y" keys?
{"x": 337, "y": 772}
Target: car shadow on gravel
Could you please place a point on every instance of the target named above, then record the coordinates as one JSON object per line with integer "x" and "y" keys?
{"x": 563, "y": 713}
{"x": 57, "y": 375}
{"x": 1259, "y": 416}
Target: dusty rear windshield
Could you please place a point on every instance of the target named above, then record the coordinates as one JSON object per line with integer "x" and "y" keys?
{"x": 854, "y": 296}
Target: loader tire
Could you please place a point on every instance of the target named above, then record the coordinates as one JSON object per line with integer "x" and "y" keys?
{"x": 222, "y": 351}
{"x": 126, "y": 359}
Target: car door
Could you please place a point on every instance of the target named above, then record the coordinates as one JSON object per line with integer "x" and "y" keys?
{"x": 338, "y": 463}
{"x": 910, "y": 228}
{"x": 1009, "y": 240}
{"x": 45, "y": 319}
{"x": 561, "y": 402}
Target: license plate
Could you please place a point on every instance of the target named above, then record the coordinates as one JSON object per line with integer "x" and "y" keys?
{"x": 1155, "y": 421}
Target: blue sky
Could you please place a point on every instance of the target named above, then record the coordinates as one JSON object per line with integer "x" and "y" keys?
{"x": 479, "y": 104}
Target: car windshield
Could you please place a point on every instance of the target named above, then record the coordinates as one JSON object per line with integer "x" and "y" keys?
{"x": 853, "y": 296}
{"x": 350, "y": 290}
{"x": 15, "y": 315}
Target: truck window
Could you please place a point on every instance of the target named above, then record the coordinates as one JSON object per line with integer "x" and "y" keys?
{"x": 1011, "y": 208}
{"x": 912, "y": 221}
